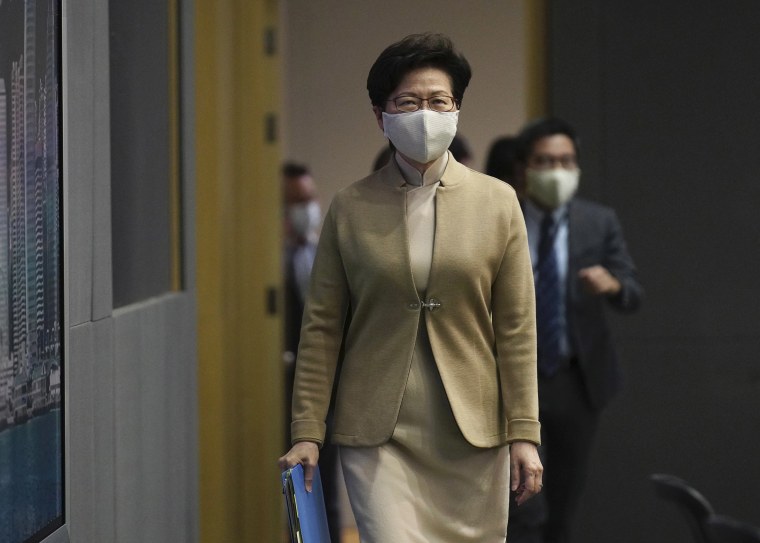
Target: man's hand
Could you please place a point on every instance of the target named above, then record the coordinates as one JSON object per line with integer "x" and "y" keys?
{"x": 305, "y": 453}
{"x": 526, "y": 471}
{"x": 597, "y": 280}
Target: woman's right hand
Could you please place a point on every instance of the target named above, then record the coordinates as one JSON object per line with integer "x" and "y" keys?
{"x": 305, "y": 453}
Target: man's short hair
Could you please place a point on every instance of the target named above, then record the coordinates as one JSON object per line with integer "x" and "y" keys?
{"x": 501, "y": 159}
{"x": 294, "y": 169}
{"x": 543, "y": 128}
{"x": 460, "y": 149}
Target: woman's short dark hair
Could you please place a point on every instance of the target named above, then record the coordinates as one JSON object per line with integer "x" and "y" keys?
{"x": 417, "y": 51}
{"x": 543, "y": 128}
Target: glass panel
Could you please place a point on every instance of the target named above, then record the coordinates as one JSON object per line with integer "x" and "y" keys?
{"x": 31, "y": 352}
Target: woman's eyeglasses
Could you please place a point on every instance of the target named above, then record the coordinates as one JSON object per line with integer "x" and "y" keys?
{"x": 408, "y": 104}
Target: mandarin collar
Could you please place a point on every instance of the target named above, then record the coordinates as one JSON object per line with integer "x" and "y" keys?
{"x": 433, "y": 174}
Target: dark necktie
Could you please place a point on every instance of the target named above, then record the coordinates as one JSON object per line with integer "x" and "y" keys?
{"x": 548, "y": 300}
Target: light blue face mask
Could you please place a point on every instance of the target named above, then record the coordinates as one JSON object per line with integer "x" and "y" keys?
{"x": 422, "y": 135}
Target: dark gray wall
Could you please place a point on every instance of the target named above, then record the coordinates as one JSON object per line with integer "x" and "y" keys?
{"x": 665, "y": 96}
{"x": 130, "y": 382}
{"x": 140, "y": 149}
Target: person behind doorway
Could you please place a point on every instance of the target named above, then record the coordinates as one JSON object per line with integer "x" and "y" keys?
{"x": 581, "y": 266}
{"x": 434, "y": 349}
{"x": 460, "y": 148}
{"x": 500, "y": 162}
{"x": 303, "y": 217}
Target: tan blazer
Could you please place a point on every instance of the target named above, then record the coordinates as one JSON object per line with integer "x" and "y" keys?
{"x": 480, "y": 315}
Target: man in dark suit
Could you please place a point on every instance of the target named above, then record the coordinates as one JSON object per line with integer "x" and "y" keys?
{"x": 302, "y": 220}
{"x": 581, "y": 266}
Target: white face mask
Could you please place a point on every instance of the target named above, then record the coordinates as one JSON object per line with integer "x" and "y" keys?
{"x": 421, "y": 135}
{"x": 552, "y": 188}
{"x": 305, "y": 218}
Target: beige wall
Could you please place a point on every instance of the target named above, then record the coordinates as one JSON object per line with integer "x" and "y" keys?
{"x": 329, "y": 46}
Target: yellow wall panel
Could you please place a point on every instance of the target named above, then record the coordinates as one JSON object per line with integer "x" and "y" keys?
{"x": 536, "y": 50}
{"x": 239, "y": 245}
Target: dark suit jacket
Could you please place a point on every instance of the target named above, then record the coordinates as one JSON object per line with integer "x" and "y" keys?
{"x": 595, "y": 237}
{"x": 293, "y": 304}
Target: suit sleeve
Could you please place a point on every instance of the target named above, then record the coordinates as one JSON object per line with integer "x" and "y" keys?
{"x": 321, "y": 337}
{"x": 514, "y": 322}
{"x": 619, "y": 263}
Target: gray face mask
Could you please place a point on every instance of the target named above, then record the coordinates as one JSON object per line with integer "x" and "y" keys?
{"x": 421, "y": 135}
{"x": 305, "y": 218}
{"x": 551, "y": 188}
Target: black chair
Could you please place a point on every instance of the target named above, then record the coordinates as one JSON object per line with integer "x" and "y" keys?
{"x": 693, "y": 505}
{"x": 723, "y": 529}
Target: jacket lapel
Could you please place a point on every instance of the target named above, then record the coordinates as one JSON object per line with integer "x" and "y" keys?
{"x": 446, "y": 229}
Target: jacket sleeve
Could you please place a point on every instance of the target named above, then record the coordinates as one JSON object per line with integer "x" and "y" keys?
{"x": 619, "y": 263}
{"x": 514, "y": 322}
{"x": 321, "y": 337}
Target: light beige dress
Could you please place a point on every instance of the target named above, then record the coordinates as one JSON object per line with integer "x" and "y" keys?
{"x": 427, "y": 484}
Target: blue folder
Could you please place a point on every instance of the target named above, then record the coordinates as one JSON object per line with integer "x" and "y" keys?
{"x": 307, "y": 517}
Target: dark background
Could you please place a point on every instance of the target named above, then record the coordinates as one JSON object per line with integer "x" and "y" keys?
{"x": 665, "y": 96}
{"x": 140, "y": 150}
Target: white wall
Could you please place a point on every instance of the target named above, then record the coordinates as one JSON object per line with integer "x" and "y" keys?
{"x": 329, "y": 46}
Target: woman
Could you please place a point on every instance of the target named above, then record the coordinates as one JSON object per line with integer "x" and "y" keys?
{"x": 422, "y": 306}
